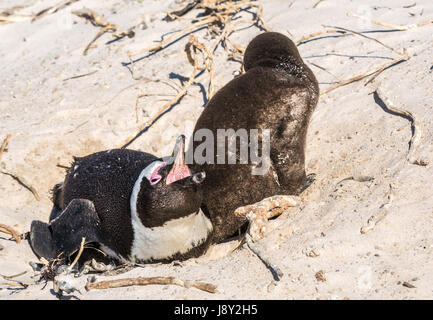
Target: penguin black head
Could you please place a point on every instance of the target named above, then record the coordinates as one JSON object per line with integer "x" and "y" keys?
{"x": 272, "y": 49}
{"x": 167, "y": 189}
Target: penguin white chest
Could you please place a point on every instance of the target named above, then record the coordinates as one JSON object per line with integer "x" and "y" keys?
{"x": 175, "y": 236}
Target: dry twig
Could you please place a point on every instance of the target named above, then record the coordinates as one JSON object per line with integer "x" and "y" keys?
{"x": 364, "y": 36}
{"x": 141, "y": 281}
{"x": 220, "y": 14}
{"x": 9, "y": 16}
{"x": 4, "y": 144}
{"x": 177, "y": 13}
{"x": 190, "y": 48}
{"x": 9, "y": 230}
{"x": 13, "y": 276}
{"x": 83, "y": 240}
{"x": 317, "y": 3}
{"x": 392, "y": 26}
{"x": 148, "y": 95}
{"x": 81, "y": 75}
{"x": 179, "y": 34}
{"x": 23, "y": 182}
{"x": 357, "y": 178}
{"x": 17, "y": 283}
{"x": 326, "y": 70}
{"x": 366, "y": 74}
{"x": 316, "y": 34}
{"x": 98, "y": 21}
{"x": 12, "y": 19}
{"x": 53, "y": 9}
{"x": 408, "y": 285}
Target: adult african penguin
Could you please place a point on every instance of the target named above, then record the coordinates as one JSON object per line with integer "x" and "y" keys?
{"x": 132, "y": 205}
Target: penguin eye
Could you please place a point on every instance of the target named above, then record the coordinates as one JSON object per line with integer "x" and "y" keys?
{"x": 156, "y": 177}
{"x": 155, "y": 180}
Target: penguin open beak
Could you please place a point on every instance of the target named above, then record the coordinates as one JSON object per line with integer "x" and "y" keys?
{"x": 179, "y": 170}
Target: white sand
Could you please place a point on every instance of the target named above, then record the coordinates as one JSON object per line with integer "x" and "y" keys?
{"x": 350, "y": 134}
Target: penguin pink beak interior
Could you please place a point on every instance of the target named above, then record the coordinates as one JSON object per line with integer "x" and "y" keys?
{"x": 179, "y": 170}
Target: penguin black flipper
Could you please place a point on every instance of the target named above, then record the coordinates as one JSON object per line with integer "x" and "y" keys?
{"x": 41, "y": 240}
{"x": 64, "y": 234}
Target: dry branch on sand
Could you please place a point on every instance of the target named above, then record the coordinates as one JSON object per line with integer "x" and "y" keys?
{"x": 4, "y": 144}
{"x": 13, "y": 276}
{"x": 80, "y": 75}
{"x": 393, "y": 26}
{"x": 366, "y": 74}
{"x": 96, "y": 20}
{"x": 9, "y": 230}
{"x": 364, "y": 36}
{"x": 220, "y": 13}
{"x": 375, "y": 72}
{"x": 12, "y": 19}
{"x": 53, "y": 9}
{"x": 141, "y": 281}
{"x": 80, "y": 251}
{"x": 319, "y": 33}
{"x": 9, "y": 16}
{"x": 23, "y": 182}
{"x": 17, "y": 177}
{"x": 218, "y": 19}
{"x": 99, "y": 21}
{"x": 190, "y": 50}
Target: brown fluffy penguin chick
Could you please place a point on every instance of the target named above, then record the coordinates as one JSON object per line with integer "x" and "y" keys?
{"x": 278, "y": 92}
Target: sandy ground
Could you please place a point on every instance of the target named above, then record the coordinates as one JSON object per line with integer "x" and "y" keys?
{"x": 51, "y": 118}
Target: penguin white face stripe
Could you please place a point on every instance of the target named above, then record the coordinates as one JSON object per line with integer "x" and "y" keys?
{"x": 175, "y": 236}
